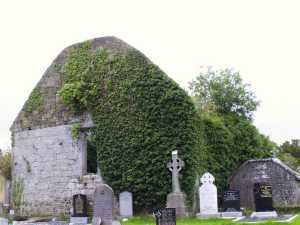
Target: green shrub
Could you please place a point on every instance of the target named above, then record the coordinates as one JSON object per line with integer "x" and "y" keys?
{"x": 285, "y": 209}
{"x": 140, "y": 116}
{"x": 5, "y": 165}
{"x": 229, "y": 142}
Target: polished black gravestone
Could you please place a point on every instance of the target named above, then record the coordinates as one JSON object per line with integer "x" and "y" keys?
{"x": 79, "y": 216}
{"x": 263, "y": 197}
{"x": 232, "y": 201}
{"x": 165, "y": 216}
{"x": 231, "y": 204}
{"x": 263, "y": 201}
{"x": 79, "y": 205}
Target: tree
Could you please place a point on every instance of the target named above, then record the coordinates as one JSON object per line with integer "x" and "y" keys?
{"x": 231, "y": 141}
{"x": 289, "y": 152}
{"x": 225, "y": 106}
{"x": 223, "y": 91}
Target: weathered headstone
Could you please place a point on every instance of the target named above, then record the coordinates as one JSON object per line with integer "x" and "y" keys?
{"x": 103, "y": 204}
{"x": 126, "y": 209}
{"x": 208, "y": 197}
{"x": 232, "y": 204}
{"x": 263, "y": 201}
{"x": 79, "y": 210}
{"x": 176, "y": 199}
{"x": 165, "y": 216}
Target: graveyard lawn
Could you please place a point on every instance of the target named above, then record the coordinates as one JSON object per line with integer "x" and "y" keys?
{"x": 194, "y": 221}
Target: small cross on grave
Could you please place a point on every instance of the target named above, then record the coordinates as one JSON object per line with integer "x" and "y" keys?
{"x": 175, "y": 166}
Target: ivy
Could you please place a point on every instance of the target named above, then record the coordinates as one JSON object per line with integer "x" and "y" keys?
{"x": 35, "y": 101}
{"x": 75, "y": 131}
{"x": 140, "y": 116}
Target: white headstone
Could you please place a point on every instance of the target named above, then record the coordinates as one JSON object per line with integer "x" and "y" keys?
{"x": 126, "y": 209}
{"x": 208, "y": 197}
{"x": 3, "y": 221}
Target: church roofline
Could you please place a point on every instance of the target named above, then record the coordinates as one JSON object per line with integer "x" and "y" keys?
{"x": 275, "y": 160}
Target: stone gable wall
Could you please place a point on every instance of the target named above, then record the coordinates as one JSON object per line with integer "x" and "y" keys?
{"x": 285, "y": 187}
{"x": 52, "y": 112}
{"x": 46, "y": 160}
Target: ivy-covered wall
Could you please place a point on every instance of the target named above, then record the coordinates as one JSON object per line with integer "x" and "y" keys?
{"x": 140, "y": 116}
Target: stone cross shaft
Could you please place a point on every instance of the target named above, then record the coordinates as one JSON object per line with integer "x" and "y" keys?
{"x": 175, "y": 166}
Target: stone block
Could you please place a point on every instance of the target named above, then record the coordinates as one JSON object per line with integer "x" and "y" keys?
{"x": 270, "y": 214}
{"x": 177, "y": 201}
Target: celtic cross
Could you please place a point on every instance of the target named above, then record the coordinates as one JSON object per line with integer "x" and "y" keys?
{"x": 175, "y": 166}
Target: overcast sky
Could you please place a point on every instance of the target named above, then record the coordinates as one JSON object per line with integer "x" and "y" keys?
{"x": 261, "y": 39}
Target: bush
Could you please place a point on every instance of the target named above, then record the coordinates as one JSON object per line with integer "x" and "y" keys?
{"x": 5, "y": 165}
{"x": 230, "y": 141}
{"x": 140, "y": 116}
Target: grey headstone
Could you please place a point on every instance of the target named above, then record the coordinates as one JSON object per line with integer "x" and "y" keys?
{"x": 103, "y": 203}
{"x": 176, "y": 199}
{"x": 126, "y": 209}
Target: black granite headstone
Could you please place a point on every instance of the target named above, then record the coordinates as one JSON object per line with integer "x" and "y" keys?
{"x": 263, "y": 197}
{"x": 79, "y": 205}
{"x": 165, "y": 216}
{"x": 232, "y": 201}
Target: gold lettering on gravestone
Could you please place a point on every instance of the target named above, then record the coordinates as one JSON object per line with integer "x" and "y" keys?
{"x": 265, "y": 192}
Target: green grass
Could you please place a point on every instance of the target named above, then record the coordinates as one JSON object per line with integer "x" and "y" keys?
{"x": 194, "y": 221}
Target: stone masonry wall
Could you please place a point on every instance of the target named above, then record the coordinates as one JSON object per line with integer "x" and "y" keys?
{"x": 285, "y": 184}
{"x": 46, "y": 160}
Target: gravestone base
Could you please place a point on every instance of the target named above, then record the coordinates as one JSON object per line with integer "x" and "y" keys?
{"x": 269, "y": 214}
{"x": 79, "y": 220}
{"x": 208, "y": 215}
{"x": 231, "y": 215}
{"x": 177, "y": 200}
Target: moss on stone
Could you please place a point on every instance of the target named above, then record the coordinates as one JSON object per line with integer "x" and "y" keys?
{"x": 35, "y": 101}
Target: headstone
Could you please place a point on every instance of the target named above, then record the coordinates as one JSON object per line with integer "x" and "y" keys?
{"x": 208, "y": 197}
{"x": 165, "y": 216}
{"x": 263, "y": 201}
{"x": 103, "y": 204}
{"x": 79, "y": 215}
{"x": 176, "y": 199}
{"x": 232, "y": 204}
{"x": 79, "y": 205}
{"x": 96, "y": 220}
{"x": 3, "y": 221}
{"x": 126, "y": 209}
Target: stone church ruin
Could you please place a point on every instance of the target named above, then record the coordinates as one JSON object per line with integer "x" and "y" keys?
{"x": 48, "y": 163}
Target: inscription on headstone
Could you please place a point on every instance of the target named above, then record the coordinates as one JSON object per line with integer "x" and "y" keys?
{"x": 79, "y": 205}
{"x": 126, "y": 209}
{"x": 165, "y": 216}
{"x": 232, "y": 201}
{"x": 263, "y": 197}
{"x": 103, "y": 204}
